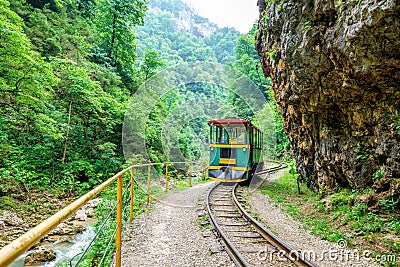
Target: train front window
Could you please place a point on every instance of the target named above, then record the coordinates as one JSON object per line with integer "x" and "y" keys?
{"x": 236, "y": 134}
{"x": 228, "y": 134}
{"x": 242, "y": 135}
{"x": 227, "y": 153}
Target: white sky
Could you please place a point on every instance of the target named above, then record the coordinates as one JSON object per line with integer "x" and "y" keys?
{"x": 239, "y": 14}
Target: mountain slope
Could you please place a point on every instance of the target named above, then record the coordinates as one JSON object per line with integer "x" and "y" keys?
{"x": 178, "y": 34}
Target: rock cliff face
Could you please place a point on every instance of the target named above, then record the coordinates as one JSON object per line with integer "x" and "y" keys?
{"x": 335, "y": 71}
{"x": 184, "y": 16}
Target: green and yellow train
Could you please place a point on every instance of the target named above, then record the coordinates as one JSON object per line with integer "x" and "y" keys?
{"x": 235, "y": 150}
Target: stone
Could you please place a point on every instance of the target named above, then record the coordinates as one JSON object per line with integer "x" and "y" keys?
{"x": 12, "y": 219}
{"x": 67, "y": 229}
{"x": 40, "y": 255}
{"x": 81, "y": 215}
{"x": 87, "y": 211}
{"x": 336, "y": 77}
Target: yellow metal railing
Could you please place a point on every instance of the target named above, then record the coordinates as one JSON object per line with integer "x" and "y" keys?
{"x": 16, "y": 248}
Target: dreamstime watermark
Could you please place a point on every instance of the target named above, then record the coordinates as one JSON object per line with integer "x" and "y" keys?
{"x": 182, "y": 91}
{"x": 339, "y": 253}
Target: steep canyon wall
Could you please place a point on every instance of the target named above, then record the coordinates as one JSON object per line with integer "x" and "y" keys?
{"x": 335, "y": 72}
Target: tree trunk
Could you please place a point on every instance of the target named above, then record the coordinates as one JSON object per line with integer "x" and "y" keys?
{"x": 66, "y": 138}
{"x": 113, "y": 33}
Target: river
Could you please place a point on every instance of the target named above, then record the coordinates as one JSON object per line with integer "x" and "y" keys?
{"x": 65, "y": 250}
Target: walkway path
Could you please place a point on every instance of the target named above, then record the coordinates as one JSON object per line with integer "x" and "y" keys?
{"x": 170, "y": 234}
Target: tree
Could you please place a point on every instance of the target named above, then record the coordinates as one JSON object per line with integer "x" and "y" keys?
{"x": 116, "y": 21}
{"x": 26, "y": 83}
{"x": 223, "y": 42}
{"x": 151, "y": 63}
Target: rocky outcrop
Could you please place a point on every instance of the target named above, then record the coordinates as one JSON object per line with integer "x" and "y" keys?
{"x": 11, "y": 226}
{"x": 335, "y": 71}
{"x": 87, "y": 211}
{"x": 184, "y": 16}
{"x": 40, "y": 255}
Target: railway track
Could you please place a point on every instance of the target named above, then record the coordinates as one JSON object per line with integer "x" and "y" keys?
{"x": 247, "y": 241}
{"x": 278, "y": 166}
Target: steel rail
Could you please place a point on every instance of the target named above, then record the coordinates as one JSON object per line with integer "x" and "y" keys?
{"x": 273, "y": 168}
{"x": 293, "y": 255}
{"x": 232, "y": 251}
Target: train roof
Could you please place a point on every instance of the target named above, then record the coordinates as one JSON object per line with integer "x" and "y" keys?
{"x": 232, "y": 121}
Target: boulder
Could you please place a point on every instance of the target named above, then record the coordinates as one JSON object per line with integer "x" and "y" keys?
{"x": 40, "y": 255}
{"x": 67, "y": 229}
{"x": 12, "y": 219}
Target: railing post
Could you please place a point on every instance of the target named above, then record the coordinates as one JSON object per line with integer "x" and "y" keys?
{"x": 118, "y": 237}
{"x": 166, "y": 177}
{"x": 190, "y": 176}
{"x": 132, "y": 194}
{"x": 148, "y": 184}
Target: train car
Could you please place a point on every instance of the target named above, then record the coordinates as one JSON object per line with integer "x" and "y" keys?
{"x": 235, "y": 150}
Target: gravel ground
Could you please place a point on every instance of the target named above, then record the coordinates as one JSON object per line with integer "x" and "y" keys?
{"x": 321, "y": 252}
{"x": 169, "y": 235}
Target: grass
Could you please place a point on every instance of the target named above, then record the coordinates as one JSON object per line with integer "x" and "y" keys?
{"x": 341, "y": 216}
{"x": 205, "y": 226}
{"x": 7, "y": 202}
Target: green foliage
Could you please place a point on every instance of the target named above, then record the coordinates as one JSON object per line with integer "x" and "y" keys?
{"x": 389, "y": 205}
{"x": 363, "y": 154}
{"x": 206, "y": 224}
{"x": 378, "y": 174}
{"x": 7, "y": 203}
{"x": 36, "y": 92}
{"x": 395, "y": 226}
{"x": 115, "y": 21}
{"x": 25, "y": 76}
{"x": 151, "y": 63}
{"x": 307, "y": 26}
{"x": 396, "y": 123}
{"x": 271, "y": 54}
{"x": 175, "y": 45}
{"x": 340, "y": 216}
{"x": 281, "y": 5}
{"x": 54, "y": 5}
{"x": 223, "y": 42}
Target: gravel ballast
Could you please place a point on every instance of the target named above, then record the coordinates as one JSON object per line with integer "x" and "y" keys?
{"x": 170, "y": 234}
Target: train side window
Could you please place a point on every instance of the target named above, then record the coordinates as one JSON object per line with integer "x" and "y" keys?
{"x": 218, "y": 133}
{"x": 257, "y": 140}
{"x": 211, "y": 137}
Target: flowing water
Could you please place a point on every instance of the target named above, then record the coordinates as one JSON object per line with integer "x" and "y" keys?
{"x": 65, "y": 250}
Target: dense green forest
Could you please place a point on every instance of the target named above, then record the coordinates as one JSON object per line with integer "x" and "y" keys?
{"x": 68, "y": 70}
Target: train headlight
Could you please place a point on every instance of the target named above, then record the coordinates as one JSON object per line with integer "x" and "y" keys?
{"x": 244, "y": 149}
{"x": 212, "y": 148}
